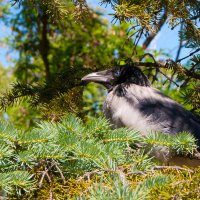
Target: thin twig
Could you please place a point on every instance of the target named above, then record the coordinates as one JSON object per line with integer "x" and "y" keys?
{"x": 195, "y": 17}
{"x": 157, "y": 68}
{"x": 132, "y": 28}
{"x": 188, "y": 79}
{"x": 42, "y": 178}
{"x": 172, "y": 167}
{"x": 50, "y": 194}
{"x": 162, "y": 65}
{"x": 61, "y": 174}
{"x": 137, "y": 173}
{"x": 150, "y": 38}
{"x": 171, "y": 80}
{"x": 148, "y": 54}
{"x": 138, "y": 37}
{"x": 178, "y": 53}
{"x": 88, "y": 175}
{"x": 180, "y": 44}
{"x": 45, "y": 172}
{"x": 189, "y": 55}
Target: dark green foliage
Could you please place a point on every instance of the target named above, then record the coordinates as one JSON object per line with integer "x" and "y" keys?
{"x": 51, "y": 154}
{"x": 55, "y": 56}
{"x": 148, "y": 18}
{"x": 50, "y": 53}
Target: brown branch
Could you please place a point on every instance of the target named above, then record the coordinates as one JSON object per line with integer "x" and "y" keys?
{"x": 88, "y": 175}
{"x": 44, "y": 44}
{"x": 61, "y": 174}
{"x": 45, "y": 172}
{"x": 50, "y": 194}
{"x": 188, "y": 79}
{"x": 195, "y": 17}
{"x": 157, "y": 69}
{"x": 137, "y": 173}
{"x": 42, "y": 178}
{"x": 149, "y": 39}
{"x": 163, "y": 65}
{"x": 148, "y": 54}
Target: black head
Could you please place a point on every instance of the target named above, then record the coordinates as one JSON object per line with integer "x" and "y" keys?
{"x": 131, "y": 75}
{"x": 120, "y": 74}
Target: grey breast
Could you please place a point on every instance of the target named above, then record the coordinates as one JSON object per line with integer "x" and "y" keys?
{"x": 147, "y": 109}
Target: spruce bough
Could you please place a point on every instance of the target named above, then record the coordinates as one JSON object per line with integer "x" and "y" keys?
{"x": 56, "y": 157}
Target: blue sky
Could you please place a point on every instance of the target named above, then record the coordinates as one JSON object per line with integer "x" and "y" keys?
{"x": 4, "y": 50}
{"x": 166, "y": 39}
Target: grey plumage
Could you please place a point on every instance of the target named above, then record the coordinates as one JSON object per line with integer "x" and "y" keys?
{"x": 146, "y": 109}
{"x": 134, "y": 103}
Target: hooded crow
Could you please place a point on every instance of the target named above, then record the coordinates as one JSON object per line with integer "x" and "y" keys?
{"x": 132, "y": 102}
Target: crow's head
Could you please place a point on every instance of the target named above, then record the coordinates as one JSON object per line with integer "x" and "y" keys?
{"x": 117, "y": 75}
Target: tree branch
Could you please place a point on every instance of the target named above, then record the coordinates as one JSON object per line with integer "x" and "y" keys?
{"x": 178, "y": 53}
{"x": 44, "y": 44}
{"x": 172, "y": 167}
{"x": 158, "y": 28}
{"x": 165, "y": 66}
{"x": 189, "y": 55}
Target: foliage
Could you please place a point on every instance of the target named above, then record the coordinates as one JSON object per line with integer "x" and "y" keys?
{"x": 93, "y": 98}
{"x": 54, "y": 57}
{"x": 21, "y": 115}
{"x": 148, "y": 18}
{"x": 52, "y": 157}
{"x": 61, "y": 57}
{"x": 58, "y": 42}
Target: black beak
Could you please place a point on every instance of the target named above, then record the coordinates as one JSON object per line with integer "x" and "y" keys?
{"x": 105, "y": 78}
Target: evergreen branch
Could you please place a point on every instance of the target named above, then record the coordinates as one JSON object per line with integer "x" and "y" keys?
{"x": 5, "y": 151}
{"x": 144, "y": 188}
{"x": 180, "y": 69}
{"x": 8, "y": 132}
{"x": 159, "y": 25}
{"x": 72, "y": 149}
{"x": 141, "y": 162}
{"x": 20, "y": 179}
{"x": 122, "y": 135}
{"x": 197, "y": 50}
{"x": 172, "y": 167}
{"x": 184, "y": 143}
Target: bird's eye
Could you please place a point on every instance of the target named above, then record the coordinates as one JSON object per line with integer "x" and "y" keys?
{"x": 117, "y": 73}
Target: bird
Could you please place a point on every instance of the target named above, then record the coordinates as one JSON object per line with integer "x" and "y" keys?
{"x": 134, "y": 103}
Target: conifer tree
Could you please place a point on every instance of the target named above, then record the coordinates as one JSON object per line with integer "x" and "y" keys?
{"x": 145, "y": 18}
{"x": 55, "y": 54}
{"x": 68, "y": 158}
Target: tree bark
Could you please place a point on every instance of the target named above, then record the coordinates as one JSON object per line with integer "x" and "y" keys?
{"x": 44, "y": 45}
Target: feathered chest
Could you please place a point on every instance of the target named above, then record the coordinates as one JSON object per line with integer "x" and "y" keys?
{"x": 144, "y": 109}
{"x": 122, "y": 110}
